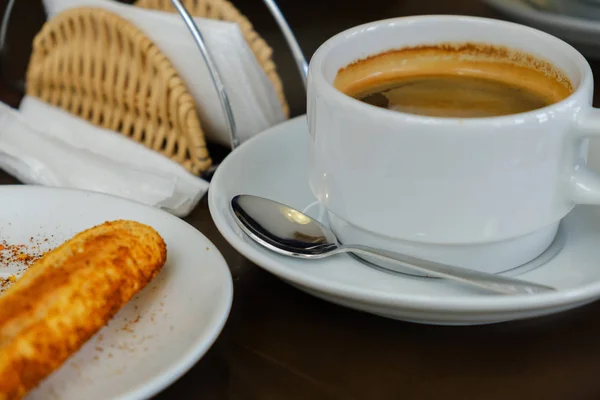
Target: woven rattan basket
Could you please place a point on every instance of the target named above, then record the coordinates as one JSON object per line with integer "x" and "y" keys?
{"x": 98, "y": 66}
{"x": 225, "y": 11}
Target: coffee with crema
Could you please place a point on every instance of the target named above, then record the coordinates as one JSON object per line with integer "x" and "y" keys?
{"x": 455, "y": 80}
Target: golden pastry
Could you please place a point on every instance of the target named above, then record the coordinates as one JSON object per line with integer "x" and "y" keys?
{"x": 68, "y": 295}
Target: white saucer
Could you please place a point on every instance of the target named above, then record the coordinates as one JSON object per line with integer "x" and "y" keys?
{"x": 160, "y": 333}
{"x": 581, "y": 33}
{"x": 273, "y": 165}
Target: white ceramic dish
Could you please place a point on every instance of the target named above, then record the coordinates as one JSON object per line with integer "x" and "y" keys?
{"x": 581, "y": 33}
{"x": 159, "y": 334}
{"x": 587, "y": 9}
{"x": 274, "y": 165}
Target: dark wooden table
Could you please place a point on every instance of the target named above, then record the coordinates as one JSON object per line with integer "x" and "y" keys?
{"x": 280, "y": 343}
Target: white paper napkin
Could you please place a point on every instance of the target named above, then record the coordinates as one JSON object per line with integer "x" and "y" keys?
{"x": 254, "y": 102}
{"x": 44, "y": 145}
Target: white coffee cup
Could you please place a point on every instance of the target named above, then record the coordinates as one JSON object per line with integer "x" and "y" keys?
{"x": 481, "y": 193}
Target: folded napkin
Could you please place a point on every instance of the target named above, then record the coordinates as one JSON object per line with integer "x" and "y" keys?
{"x": 43, "y": 145}
{"x": 253, "y": 98}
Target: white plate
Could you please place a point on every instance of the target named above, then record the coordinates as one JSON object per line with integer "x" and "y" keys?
{"x": 273, "y": 165}
{"x": 159, "y": 334}
{"x": 581, "y": 33}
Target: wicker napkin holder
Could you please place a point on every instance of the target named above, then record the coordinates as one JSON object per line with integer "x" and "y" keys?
{"x": 100, "y": 67}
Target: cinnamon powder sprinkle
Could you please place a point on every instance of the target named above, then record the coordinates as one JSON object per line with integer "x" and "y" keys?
{"x": 19, "y": 257}
{"x": 19, "y": 253}
{"x": 6, "y": 282}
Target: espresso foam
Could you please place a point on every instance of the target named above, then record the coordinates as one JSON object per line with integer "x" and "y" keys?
{"x": 487, "y": 65}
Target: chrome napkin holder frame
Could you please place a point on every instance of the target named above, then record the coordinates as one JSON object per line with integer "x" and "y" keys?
{"x": 215, "y": 76}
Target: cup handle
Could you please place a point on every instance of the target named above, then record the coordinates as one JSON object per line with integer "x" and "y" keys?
{"x": 585, "y": 183}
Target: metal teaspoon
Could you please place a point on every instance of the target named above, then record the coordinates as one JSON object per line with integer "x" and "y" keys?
{"x": 287, "y": 231}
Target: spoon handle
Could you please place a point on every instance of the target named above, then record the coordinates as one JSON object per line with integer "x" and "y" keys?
{"x": 491, "y": 282}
